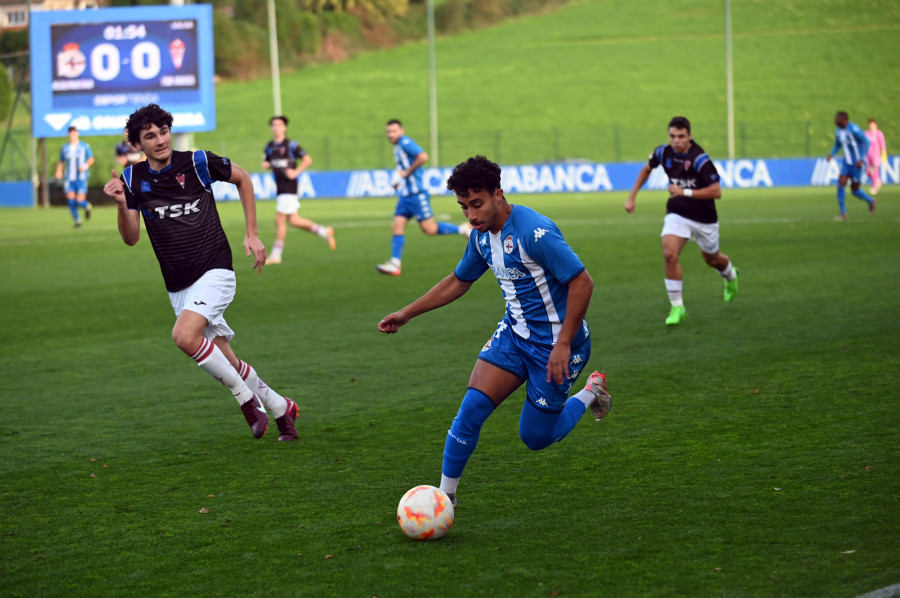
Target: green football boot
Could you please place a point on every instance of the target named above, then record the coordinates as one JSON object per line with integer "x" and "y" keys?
{"x": 731, "y": 287}
{"x": 676, "y": 315}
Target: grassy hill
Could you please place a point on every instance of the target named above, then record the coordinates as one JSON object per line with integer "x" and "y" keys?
{"x": 595, "y": 80}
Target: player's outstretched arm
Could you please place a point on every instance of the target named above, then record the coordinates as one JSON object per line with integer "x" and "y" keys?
{"x": 580, "y": 289}
{"x": 642, "y": 177}
{"x": 128, "y": 220}
{"x": 252, "y": 245}
{"x": 444, "y": 292}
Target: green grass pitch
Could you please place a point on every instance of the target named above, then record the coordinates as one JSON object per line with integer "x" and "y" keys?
{"x": 751, "y": 451}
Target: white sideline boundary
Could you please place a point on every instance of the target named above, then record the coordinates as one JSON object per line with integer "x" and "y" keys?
{"x": 886, "y": 592}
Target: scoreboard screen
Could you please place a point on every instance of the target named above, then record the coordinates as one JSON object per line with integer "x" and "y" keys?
{"x": 92, "y": 68}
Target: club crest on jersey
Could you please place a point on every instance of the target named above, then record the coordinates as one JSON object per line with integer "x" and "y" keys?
{"x": 687, "y": 164}
{"x": 508, "y": 245}
{"x": 145, "y": 186}
{"x": 180, "y": 179}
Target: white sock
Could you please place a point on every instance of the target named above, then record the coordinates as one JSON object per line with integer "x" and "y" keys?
{"x": 585, "y": 396}
{"x": 673, "y": 288}
{"x": 464, "y": 230}
{"x": 277, "y": 248}
{"x": 449, "y": 485}
{"x": 275, "y": 403}
{"x": 728, "y": 272}
{"x": 210, "y": 358}
{"x": 395, "y": 261}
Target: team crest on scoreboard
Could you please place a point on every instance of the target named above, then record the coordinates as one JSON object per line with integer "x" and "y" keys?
{"x": 180, "y": 179}
{"x": 508, "y": 245}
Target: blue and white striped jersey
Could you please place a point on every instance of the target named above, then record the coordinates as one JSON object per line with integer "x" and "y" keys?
{"x": 853, "y": 141}
{"x": 74, "y": 156}
{"x": 405, "y": 152}
{"x": 534, "y": 265}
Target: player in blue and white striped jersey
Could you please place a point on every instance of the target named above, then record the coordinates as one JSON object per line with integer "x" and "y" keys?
{"x": 414, "y": 200}
{"x": 542, "y": 340}
{"x": 854, "y": 143}
{"x": 74, "y": 168}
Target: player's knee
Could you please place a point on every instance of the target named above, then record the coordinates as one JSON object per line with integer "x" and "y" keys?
{"x": 711, "y": 259}
{"x": 430, "y": 228}
{"x": 670, "y": 256}
{"x": 185, "y": 340}
{"x": 536, "y": 439}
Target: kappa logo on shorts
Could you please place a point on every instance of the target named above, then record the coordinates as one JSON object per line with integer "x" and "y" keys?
{"x": 542, "y": 402}
{"x": 508, "y": 244}
{"x": 199, "y": 302}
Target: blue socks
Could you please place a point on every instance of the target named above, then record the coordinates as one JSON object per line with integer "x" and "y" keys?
{"x": 859, "y": 193}
{"x": 445, "y": 228}
{"x": 539, "y": 429}
{"x": 397, "y": 242}
{"x": 463, "y": 434}
{"x": 73, "y": 207}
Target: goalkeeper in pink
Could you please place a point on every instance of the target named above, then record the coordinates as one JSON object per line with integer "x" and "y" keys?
{"x": 876, "y": 155}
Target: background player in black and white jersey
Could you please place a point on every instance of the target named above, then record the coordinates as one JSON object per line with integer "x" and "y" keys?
{"x": 281, "y": 155}
{"x": 173, "y": 192}
{"x": 690, "y": 211}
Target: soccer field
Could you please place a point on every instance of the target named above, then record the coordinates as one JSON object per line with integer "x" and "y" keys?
{"x": 750, "y": 451}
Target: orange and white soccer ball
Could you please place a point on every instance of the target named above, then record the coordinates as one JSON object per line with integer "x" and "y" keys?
{"x": 425, "y": 513}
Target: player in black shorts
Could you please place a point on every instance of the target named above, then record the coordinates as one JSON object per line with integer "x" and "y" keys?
{"x": 281, "y": 155}
{"x": 173, "y": 192}
{"x": 690, "y": 211}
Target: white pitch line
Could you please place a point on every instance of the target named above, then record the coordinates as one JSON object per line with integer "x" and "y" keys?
{"x": 888, "y": 592}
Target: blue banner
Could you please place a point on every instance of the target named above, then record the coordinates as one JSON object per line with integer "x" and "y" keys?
{"x": 587, "y": 177}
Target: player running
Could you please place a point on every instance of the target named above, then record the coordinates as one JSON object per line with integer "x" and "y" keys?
{"x": 173, "y": 192}
{"x": 414, "y": 199}
{"x": 281, "y": 155}
{"x": 850, "y": 138}
{"x": 876, "y": 155}
{"x": 75, "y": 160}
{"x": 690, "y": 211}
{"x": 542, "y": 340}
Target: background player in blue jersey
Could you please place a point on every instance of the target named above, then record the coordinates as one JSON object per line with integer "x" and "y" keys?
{"x": 172, "y": 190}
{"x": 414, "y": 199}
{"x": 281, "y": 155}
{"x": 690, "y": 212}
{"x": 75, "y": 160}
{"x": 853, "y": 141}
{"x": 542, "y": 340}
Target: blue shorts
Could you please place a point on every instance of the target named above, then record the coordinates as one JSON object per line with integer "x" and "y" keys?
{"x": 851, "y": 171}
{"x": 418, "y": 205}
{"x": 76, "y": 187}
{"x": 510, "y": 352}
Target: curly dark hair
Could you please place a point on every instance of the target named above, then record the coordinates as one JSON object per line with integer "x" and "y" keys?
{"x": 475, "y": 174}
{"x": 142, "y": 118}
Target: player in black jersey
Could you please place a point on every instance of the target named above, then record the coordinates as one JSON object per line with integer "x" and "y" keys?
{"x": 173, "y": 192}
{"x": 281, "y": 155}
{"x": 690, "y": 211}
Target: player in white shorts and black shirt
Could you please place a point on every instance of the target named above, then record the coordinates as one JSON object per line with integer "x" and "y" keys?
{"x": 281, "y": 155}
{"x": 690, "y": 211}
{"x": 173, "y": 192}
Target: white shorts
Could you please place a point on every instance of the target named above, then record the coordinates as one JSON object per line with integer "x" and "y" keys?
{"x": 288, "y": 203}
{"x": 703, "y": 234}
{"x": 209, "y": 297}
